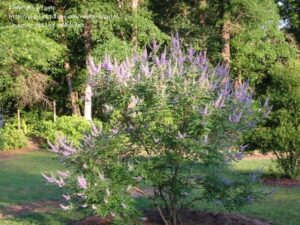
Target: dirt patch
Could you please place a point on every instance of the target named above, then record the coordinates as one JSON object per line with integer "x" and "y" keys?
{"x": 151, "y": 217}
{"x": 258, "y": 155}
{"x": 93, "y": 220}
{"x": 282, "y": 182}
{"x": 24, "y": 209}
{"x": 34, "y": 144}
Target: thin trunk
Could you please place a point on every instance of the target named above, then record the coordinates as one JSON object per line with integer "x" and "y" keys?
{"x": 226, "y": 29}
{"x": 19, "y": 119}
{"x": 69, "y": 77}
{"x": 87, "y": 36}
{"x": 54, "y": 112}
{"x": 203, "y": 5}
{"x": 134, "y": 7}
{"x": 88, "y": 102}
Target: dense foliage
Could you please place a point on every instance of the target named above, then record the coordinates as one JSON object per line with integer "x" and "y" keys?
{"x": 173, "y": 125}
{"x": 12, "y": 138}
{"x": 169, "y": 119}
{"x": 280, "y": 132}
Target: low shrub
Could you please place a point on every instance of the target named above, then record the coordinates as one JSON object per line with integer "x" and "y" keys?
{"x": 12, "y": 138}
{"x": 72, "y": 128}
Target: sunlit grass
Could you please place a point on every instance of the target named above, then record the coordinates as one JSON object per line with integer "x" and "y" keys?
{"x": 21, "y": 183}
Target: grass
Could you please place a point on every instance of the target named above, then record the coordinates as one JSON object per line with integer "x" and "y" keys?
{"x": 21, "y": 183}
{"x": 282, "y": 208}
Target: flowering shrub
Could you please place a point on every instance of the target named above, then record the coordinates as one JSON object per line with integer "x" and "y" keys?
{"x": 172, "y": 124}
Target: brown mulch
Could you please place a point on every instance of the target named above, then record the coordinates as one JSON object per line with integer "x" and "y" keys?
{"x": 282, "y": 182}
{"x": 94, "y": 220}
{"x": 151, "y": 217}
{"x": 34, "y": 144}
{"x": 24, "y": 209}
{"x": 258, "y": 155}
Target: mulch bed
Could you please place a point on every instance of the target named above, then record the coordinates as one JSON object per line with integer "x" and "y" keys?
{"x": 188, "y": 217}
{"x": 282, "y": 182}
{"x": 258, "y": 155}
{"x": 34, "y": 144}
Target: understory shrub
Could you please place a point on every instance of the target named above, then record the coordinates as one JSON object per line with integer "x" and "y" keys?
{"x": 172, "y": 124}
{"x": 72, "y": 128}
{"x": 12, "y": 138}
{"x": 280, "y": 132}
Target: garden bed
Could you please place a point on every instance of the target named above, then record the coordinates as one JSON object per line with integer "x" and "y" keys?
{"x": 151, "y": 217}
{"x": 282, "y": 182}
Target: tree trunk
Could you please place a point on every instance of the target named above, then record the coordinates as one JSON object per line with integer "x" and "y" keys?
{"x": 203, "y": 5}
{"x": 87, "y": 36}
{"x": 54, "y": 112}
{"x": 19, "y": 119}
{"x": 69, "y": 73}
{"x": 226, "y": 29}
{"x": 134, "y": 7}
{"x": 88, "y": 102}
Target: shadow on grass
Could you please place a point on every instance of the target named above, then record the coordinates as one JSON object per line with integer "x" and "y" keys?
{"x": 21, "y": 181}
{"x": 56, "y": 217}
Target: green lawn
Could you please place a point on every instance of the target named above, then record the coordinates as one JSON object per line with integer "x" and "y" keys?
{"x": 283, "y": 207}
{"x": 21, "y": 183}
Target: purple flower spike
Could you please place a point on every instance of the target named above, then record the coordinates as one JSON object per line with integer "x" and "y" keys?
{"x": 107, "y": 65}
{"x": 155, "y": 46}
{"x": 170, "y": 70}
{"x": 145, "y": 55}
{"x": 64, "y": 207}
{"x": 82, "y": 182}
{"x": 60, "y": 182}
{"x": 64, "y": 174}
{"x": 181, "y": 59}
{"x": 145, "y": 69}
{"x": 66, "y": 149}
{"x": 49, "y": 179}
{"x": 235, "y": 117}
{"x": 134, "y": 102}
{"x": 191, "y": 53}
{"x": 219, "y": 101}
{"x": 163, "y": 59}
{"x": 53, "y": 148}
{"x": 92, "y": 68}
{"x": 243, "y": 147}
{"x": 67, "y": 197}
{"x": 176, "y": 42}
{"x": 95, "y": 131}
{"x": 222, "y": 70}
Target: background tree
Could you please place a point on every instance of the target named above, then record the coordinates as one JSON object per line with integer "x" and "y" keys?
{"x": 27, "y": 55}
{"x": 290, "y": 13}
